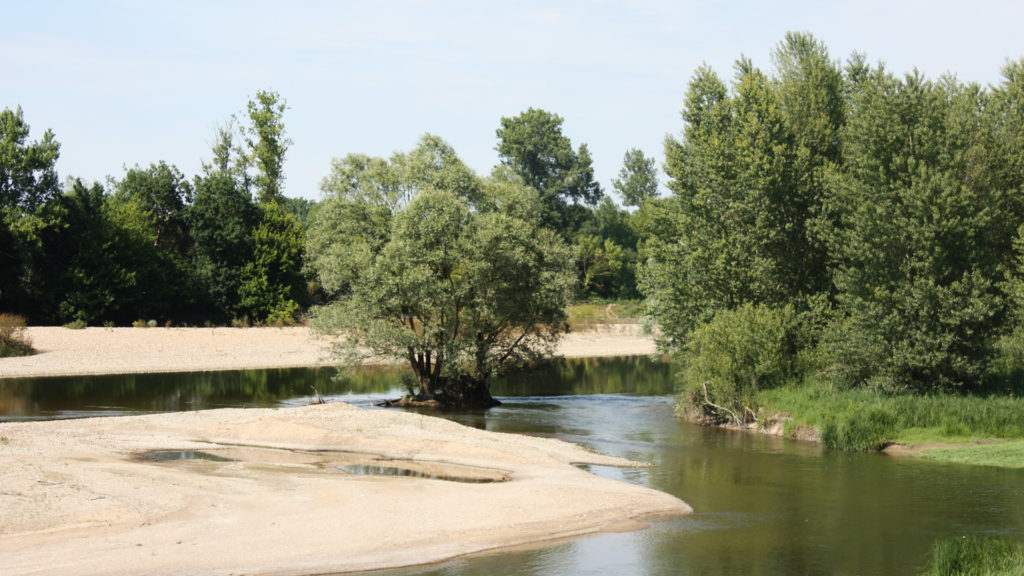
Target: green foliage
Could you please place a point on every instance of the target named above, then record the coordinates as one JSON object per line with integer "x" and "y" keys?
{"x": 597, "y": 262}
{"x": 273, "y": 285}
{"x": 737, "y": 353}
{"x": 745, "y": 194}
{"x": 220, "y": 222}
{"x": 267, "y": 144}
{"x": 148, "y": 208}
{"x": 606, "y": 252}
{"x": 13, "y": 339}
{"x": 533, "y": 147}
{"x": 915, "y": 272}
{"x": 28, "y": 176}
{"x": 28, "y": 179}
{"x": 976, "y": 556}
{"x": 638, "y": 178}
{"x": 438, "y": 269}
{"x": 89, "y": 263}
{"x": 886, "y": 211}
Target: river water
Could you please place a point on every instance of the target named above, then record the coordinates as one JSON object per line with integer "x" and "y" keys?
{"x": 763, "y": 506}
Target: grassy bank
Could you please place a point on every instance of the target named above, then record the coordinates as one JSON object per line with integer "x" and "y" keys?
{"x": 975, "y": 556}
{"x": 984, "y": 430}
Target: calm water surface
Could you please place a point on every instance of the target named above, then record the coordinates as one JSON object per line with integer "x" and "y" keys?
{"x": 763, "y": 505}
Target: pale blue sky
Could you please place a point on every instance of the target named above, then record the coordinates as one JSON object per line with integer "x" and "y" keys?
{"x": 126, "y": 82}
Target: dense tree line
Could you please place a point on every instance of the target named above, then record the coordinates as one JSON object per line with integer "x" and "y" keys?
{"x": 227, "y": 246}
{"x": 842, "y": 224}
{"x": 152, "y": 245}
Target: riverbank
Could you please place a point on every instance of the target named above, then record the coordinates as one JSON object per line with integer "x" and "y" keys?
{"x": 976, "y": 430}
{"x": 77, "y": 498}
{"x": 66, "y": 352}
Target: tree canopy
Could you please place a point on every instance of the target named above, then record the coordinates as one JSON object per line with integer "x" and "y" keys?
{"x": 532, "y": 146}
{"x": 436, "y": 267}
{"x": 869, "y": 221}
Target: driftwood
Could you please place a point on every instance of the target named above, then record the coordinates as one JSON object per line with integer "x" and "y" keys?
{"x": 317, "y": 398}
{"x": 708, "y": 402}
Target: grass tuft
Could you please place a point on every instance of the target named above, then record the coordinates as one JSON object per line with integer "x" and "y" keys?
{"x": 976, "y": 556}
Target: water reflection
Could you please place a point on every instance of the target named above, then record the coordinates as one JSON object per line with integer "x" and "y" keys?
{"x": 83, "y": 396}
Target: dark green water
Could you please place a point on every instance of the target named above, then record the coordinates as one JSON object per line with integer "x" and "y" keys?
{"x": 763, "y": 505}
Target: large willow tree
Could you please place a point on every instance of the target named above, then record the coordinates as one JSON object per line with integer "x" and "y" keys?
{"x": 433, "y": 266}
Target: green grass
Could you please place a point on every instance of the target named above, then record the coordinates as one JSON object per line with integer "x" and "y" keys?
{"x": 587, "y": 315}
{"x": 976, "y": 556}
{"x": 1002, "y": 454}
{"x": 864, "y": 420}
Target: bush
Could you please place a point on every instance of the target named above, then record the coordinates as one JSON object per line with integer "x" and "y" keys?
{"x": 976, "y": 556}
{"x": 736, "y": 354}
{"x": 76, "y": 324}
{"x": 13, "y": 340}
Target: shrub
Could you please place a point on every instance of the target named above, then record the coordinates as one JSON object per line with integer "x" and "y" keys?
{"x": 13, "y": 340}
{"x": 737, "y": 353}
{"x": 76, "y": 324}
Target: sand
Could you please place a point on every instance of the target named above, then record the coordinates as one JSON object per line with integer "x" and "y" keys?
{"x": 76, "y": 498}
{"x": 64, "y": 352}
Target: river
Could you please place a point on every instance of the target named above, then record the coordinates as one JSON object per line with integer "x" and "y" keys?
{"x": 763, "y": 505}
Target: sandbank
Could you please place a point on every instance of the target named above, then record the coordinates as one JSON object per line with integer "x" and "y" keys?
{"x": 66, "y": 352}
{"x": 80, "y": 497}
{"x": 76, "y": 499}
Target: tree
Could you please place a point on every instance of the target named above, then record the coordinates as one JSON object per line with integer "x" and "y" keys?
{"x": 28, "y": 175}
{"x": 267, "y": 144}
{"x": 723, "y": 242}
{"x": 273, "y": 286}
{"x": 533, "y": 146}
{"x": 598, "y": 262}
{"x": 913, "y": 242}
{"x": 432, "y": 266}
{"x": 163, "y": 192}
{"x": 229, "y": 156}
{"x": 146, "y": 214}
{"x": 747, "y": 180}
{"x": 28, "y": 179}
{"x": 638, "y": 178}
{"x": 221, "y": 220}
{"x": 85, "y": 271}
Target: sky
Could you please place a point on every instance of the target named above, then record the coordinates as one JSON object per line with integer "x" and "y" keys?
{"x": 125, "y": 83}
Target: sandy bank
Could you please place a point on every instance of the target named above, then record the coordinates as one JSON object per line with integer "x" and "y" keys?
{"x": 74, "y": 499}
{"x": 64, "y": 352}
